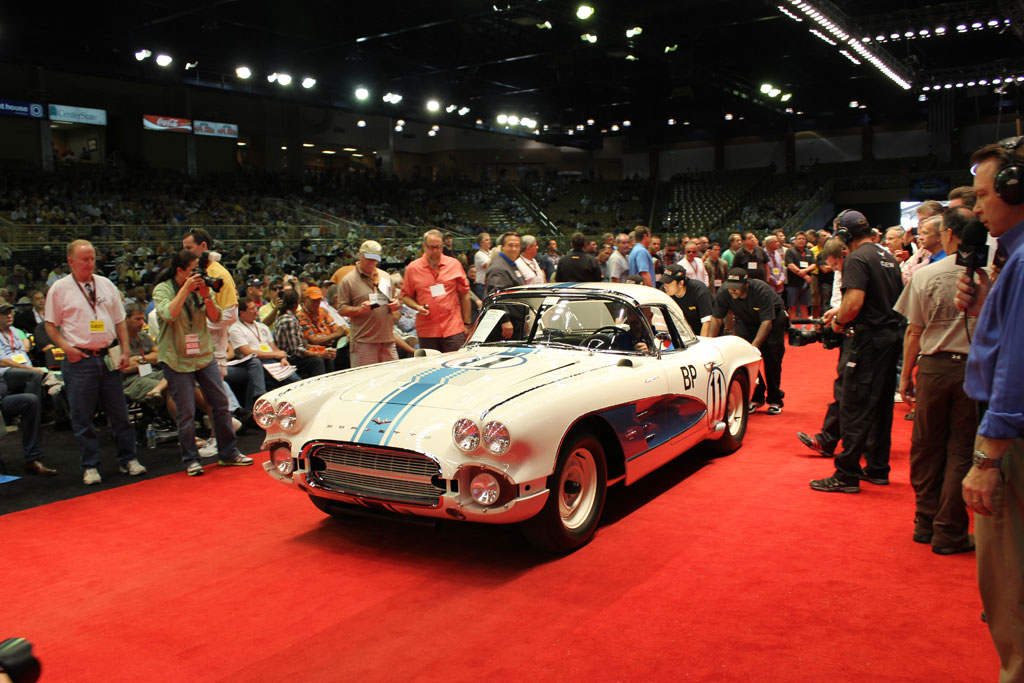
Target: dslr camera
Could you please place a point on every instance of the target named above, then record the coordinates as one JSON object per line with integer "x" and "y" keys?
{"x": 17, "y": 661}
{"x": 214, "y": 283}
{"x": 823, "y": 333}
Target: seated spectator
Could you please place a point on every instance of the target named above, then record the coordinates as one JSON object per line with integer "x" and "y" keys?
{"x": 270, "y": 308}
{"x": 28, "y": 317}
{"x": 15, "y": 366}
{"x": 143, "y": 383}
{"x": 318, "y": 329}
{"x": 288, "y": 335}
{"x": 268, "y": 368}
{"x": 29, "y": 409}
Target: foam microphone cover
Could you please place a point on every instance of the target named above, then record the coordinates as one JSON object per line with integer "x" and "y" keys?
{"x": 975, "y": 234}
{"x": 973, "y": 250}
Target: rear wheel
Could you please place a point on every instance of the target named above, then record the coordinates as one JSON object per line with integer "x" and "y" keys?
{"x": 736, "y": 411}
{"x": 577, "y": 493}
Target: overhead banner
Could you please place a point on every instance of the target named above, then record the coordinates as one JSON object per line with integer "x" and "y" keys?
{"x": 32, "y": 110}
{"x": 219, "y": 130}
{"x": 62, "y": 112}
{"x": 166, "y": 123}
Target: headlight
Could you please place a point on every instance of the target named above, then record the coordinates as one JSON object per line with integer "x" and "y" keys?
{"x": 263, "y": 413}
{"x": 485, "y": 488}
{"x": 281, "y": 458}
{"x": 496, "y": 438}
{"x": 286, "y": 416}
{"x": 466, "y": 435}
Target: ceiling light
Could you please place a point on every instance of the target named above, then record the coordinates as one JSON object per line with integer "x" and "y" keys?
{"x": 584, "y": 12}
{"x": 400, "y": 122}
{"x": 240, "y": 143}
{"x": 671, "y": 122}
{"x": 308, "y": 82}
{"x": 588, "y": 38}
{"x": 284, "y": 147}
{"x": 392, "y": 98}
{"x": 358, "y": 156}
{"x": 728, "y": 117}
{"x": 579, "y": 126}
{"x": 191, "y": 65}
{"x": 545, "y": 25}
{"x": 450, "y": 108}
{"x": 788, "y": 13}
{"x": 284, "y": 79}
{"x": 590, "y": 122}
{"x": 433, "y": 105}
{"x": 502, "y": 119}
{"x": 922, "y": 98}
{"x": 787, "y": 97}
{"x": 939, "y": 30}
{"x": 671, "y": 48}
{"x": 528, "y": 123}
{"x": 908, "y": 34}
{"x": 615, "y": 127}
{"x": 164, "y": 60}
{"x": 143, "y": 54}
{"x": 631, "y": 58}
{"x": 513, "y": 120}
{"x": 272, "y": 77}
{"x": 435, "y": 127}
{"x": 854, "y": 104}
{"x": 431, "y": 133}
{"x": 863, "y": 106}
{"x": 983, "y": 82}
{"x": 348, "y": 149}
{"x": 463, "y": 111}
{"x": 766, "y": 88}
{"x": 479, "y": 122}
{"x": 627, "y": 123}
{"x": 774, "y": 92}
{"x": 572, "y": 132}
{"x": 399, "y": 129}
{"x": 635, "y": 31}
{"x": 865, "y": 39}
{"x": 924, "y": 32}
{"x": 307, "y": 144}
{"x": 243, "y": 72}
{"x": 361, "y": 124}
{"x": 363, "y": 93}
{"x": 329, "y": 151}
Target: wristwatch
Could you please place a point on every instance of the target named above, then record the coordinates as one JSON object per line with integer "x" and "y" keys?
{"x": 983, "y": 462}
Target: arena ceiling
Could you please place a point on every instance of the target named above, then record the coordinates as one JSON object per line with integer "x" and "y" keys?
{"x": 697, "y": 67}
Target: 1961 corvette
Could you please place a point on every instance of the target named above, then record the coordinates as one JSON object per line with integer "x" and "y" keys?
{"x": 560, "y": 391}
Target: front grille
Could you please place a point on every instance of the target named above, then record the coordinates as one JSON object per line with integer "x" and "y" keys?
{"x": 377, "y": 473}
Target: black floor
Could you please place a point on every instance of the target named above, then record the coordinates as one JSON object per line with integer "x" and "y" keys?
{"x": 60, "y": 451}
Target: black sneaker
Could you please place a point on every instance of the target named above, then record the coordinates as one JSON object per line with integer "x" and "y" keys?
{"x": 877, "y": 481}
{"x": 834, "y": 485}
{"x": 774, "y": 409}
{"x": 922, "y": 534}
{"x": 754, "y": 405}
{"x": 965, "y": 547}
{"x": 813, "y": 443}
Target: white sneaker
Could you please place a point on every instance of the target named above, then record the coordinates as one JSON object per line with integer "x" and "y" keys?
{"x": 91, "y": 476}
{"x": 897, "y": 398}
{"x": 133, "y": 467}
{"x": 210, "y": 449}
{"x": 194, "y": 469}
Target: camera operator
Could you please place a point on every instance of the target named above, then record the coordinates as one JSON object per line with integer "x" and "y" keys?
{"x": 871, "y": 286}
{"x": 184, "y": 304}
{"x": 995, "y": 483}
{"x": 198, "y": 241}
{"x": 945, "y": 420}
{"x": 761, "y": 320}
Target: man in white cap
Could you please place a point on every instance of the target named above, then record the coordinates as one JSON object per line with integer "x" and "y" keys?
{"x": 365, "y": 298}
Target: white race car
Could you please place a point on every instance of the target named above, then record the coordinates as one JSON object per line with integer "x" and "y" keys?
{"x": 560, "y": 391}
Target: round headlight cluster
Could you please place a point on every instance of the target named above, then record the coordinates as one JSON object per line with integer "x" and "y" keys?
{"x": 466, "y": 435}
{"x": 496, "y": 438}
{"x": 264, "y": 414}
{"x": 281, "y": 458}
{"x": 485, "y": 488}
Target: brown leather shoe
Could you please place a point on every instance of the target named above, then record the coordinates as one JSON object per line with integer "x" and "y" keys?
{"x": 38, "y": 468}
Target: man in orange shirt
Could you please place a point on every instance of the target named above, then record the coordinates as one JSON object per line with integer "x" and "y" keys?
{"x": 317, "y": 327}
{"x": 437, "y": 288}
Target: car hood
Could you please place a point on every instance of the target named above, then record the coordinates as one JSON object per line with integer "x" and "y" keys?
{"x": 465, "y": 379}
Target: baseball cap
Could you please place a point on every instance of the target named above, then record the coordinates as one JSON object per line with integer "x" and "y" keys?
{"x": 370, "y": 249}
{"x": 852, "y": 219}
{"x": 736, "y": 279}
{"x": 254, "y": 282}
{"x": 23, "y": 301}
{"x": 673, "y": 273}
{"x": 314, "y": 293}
{"x": 4, "y": 307}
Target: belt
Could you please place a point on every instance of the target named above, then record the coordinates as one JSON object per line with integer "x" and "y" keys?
{"x": 93, "y": 352}
{"x": 948, "y": 355}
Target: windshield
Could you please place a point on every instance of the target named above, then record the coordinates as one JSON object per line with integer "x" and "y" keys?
{"x": 594, "y": 323}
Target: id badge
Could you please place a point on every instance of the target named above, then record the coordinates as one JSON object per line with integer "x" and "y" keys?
{"x": 803, "y": 264}
{"x": 752, "y": 265}
{"x": 19, "y": 358}
{"x": 437, "y": 290}
{"x": 718, "y": 283}
{"x": 265, "y": 348}
{"x": 192, "y": 347}
{"x": 775, "y": 271}
{"x": 145, "y": 369}
{"x": 97, "y": 326}
{"x": 378, "y": 299}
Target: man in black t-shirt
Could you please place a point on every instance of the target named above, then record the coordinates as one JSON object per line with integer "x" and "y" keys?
{"x": 578, "y": 265}
{"x": 871, "y": 286}
{"x": 761, "y": 320}
{"x": 692, "y": 296}
{"x": 800, "y": 263}
{"x": 752, "y": 258}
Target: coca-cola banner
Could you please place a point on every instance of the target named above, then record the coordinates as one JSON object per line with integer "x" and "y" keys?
{"x": 220, "y": 130}
{"x": 166, "y": 123}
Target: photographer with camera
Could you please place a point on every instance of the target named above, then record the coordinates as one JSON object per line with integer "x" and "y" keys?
{"x": 871, "y": 286}
{"x": 760, "y": 319}
{"x": 218, "y": 279}
{"x": 184, "y": 305}
{"x": 945, "y": 419}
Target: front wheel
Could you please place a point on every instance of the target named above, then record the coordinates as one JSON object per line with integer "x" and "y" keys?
{"x": 736, "y": 412}
{"x": 577, "y": 493}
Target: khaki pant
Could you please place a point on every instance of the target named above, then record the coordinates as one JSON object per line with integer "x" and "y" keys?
{"x": 1000, "y": 552}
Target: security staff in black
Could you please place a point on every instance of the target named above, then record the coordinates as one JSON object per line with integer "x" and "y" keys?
{"x": 760, "y": 319}
{"x": 578, "y": 265}
{"x": 692, "y": 296}
{"x": 871, "y": 286}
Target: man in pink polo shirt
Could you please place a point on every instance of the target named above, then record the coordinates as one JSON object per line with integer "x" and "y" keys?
{"x": 437, "y": 288}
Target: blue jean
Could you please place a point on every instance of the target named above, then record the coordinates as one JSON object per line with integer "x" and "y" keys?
{"x": 250, "y": 373}
{"x": 29, "y": 408}
{"x": 182, "y": 386}
{"x": 89, "y": 383}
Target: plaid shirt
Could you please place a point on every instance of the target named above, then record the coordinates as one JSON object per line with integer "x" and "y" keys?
{"x": 288, "y": 335}
{"x": 321, "y": 327}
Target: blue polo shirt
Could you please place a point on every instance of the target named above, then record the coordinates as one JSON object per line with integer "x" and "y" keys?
{"x": 993, "y": 366}
{"x": 641, "y": 260}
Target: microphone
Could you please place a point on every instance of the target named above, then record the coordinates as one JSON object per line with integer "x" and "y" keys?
{"x": 973, "y": 250}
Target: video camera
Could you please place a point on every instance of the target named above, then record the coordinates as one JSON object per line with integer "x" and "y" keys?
{"x": 17, "y": 662}
{"x": 214, "y": 283}
{"x": 829, "y": 338}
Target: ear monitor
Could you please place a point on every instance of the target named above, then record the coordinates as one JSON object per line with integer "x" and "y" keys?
{"x": 1008, "y": 179}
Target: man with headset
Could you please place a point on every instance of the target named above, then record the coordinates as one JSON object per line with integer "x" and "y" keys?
{"x": 994, "y": 485}
{"x": 871, "y": 286}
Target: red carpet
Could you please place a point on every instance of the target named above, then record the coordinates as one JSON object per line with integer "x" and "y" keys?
{"x": 727, "y": 570}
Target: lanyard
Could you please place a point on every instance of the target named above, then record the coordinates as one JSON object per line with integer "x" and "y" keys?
{"x": 10, "y": 333}
{"x": 259, "y": 337}
{"x": 92, "y": 299}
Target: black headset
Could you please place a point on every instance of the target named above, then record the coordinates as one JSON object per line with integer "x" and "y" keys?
{"x": 844, "y": 233}
{"x": 1008, "y": 179}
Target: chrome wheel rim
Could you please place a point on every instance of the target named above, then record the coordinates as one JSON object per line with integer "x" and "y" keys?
{"x": 575, "y": 505}
{"x": 734, "y": 409}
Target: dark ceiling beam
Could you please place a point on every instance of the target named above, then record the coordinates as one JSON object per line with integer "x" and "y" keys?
{"x": 183, "y": 13}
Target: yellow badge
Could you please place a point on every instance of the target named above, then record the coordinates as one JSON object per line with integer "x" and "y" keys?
{"x": 97, "y": 326}
{"x": 264, "y": 348}
{"x": 19, "y": 358}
